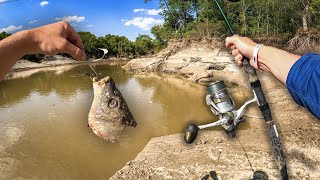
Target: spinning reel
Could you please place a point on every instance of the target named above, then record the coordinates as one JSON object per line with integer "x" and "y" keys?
{"x": 223, "y": 106}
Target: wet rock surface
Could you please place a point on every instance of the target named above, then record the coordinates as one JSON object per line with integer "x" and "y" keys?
{"x": 169, "y": 157}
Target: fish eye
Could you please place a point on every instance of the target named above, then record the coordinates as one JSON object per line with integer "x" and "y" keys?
{"x": 113, "y": 103}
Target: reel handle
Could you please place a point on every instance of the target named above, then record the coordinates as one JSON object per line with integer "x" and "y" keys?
{"x": 191, "y": 133}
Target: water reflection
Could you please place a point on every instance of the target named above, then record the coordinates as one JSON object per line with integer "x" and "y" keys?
{"x": 43, "y": 121}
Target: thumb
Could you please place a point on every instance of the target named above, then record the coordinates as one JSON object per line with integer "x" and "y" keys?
{"x": 75, "y": 51}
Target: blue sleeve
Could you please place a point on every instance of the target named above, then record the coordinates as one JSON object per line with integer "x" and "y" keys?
{"x": 303, "y": 82}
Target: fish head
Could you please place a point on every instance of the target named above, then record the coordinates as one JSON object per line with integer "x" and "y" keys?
{"x": 110, "y": 111}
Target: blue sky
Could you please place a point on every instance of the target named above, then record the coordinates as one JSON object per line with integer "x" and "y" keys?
{"x": 101, "y": 17}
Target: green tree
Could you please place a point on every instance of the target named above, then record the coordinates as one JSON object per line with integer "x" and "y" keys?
{"x": 4, "y": 35}
{"x": 90, "y": 43}
{"x": 162, "y": 36}
{"x": 143, "y": 45}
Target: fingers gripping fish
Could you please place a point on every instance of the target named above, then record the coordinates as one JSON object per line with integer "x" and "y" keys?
{"x": 109, "y": 113}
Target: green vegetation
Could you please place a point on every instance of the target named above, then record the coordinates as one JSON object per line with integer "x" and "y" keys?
{"x": 118, "y": 46}
{"x": 33, "y": 57}
{"x": 201, "y": 18}
{"x": 4, "y": 35}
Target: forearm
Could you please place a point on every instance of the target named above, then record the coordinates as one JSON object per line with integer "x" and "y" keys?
{"x": 12, "y": 49}
{"x": 277, "y": 61}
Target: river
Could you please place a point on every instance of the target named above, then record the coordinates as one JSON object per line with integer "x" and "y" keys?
{"x": 43, "y": 121}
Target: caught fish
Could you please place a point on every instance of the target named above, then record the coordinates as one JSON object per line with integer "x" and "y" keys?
{"x": 109, "y": 112}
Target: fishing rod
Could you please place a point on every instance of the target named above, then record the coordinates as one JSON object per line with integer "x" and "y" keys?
{"x": 222, "y": 105}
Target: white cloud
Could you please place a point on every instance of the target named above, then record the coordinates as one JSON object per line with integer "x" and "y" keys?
{"x": 89, "y": 25}
{"x": 144, "y": 23}
{"x": 3, "y": 1}
{"x": 154, "y": 12}
{"x": 10, "y": 29}
{"x": 138, "y": 10}
{"x": 44, "y": 3}
{"x": 72, "y": 18}
{"x": 33, "y": 21}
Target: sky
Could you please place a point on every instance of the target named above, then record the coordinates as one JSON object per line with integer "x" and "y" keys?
{"x": 119, "y": 17}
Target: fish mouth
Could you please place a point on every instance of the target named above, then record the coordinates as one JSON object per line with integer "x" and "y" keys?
{"x": 102, "y": 81}
{"x": 95, "y": 79}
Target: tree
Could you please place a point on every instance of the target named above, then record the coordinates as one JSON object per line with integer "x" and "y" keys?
{"x": 90, "y": 43}
{"x": 207, "y": 16}
{"x": 162, "y": 36}
{"x": 119, "y": 45}
{"x": 4, "y": 35}
{"x": 310, "y": 10}
{"x": 143, "y": 45}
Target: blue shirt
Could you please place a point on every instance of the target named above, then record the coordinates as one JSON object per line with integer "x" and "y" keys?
{"x": 303, "y": 82}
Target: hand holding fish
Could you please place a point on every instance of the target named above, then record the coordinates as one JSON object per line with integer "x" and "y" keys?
{"x": 56, "y": 38}
{"x": 51, "y": 39}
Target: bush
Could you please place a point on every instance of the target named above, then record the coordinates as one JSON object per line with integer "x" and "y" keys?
{"x": 34, "y": 57}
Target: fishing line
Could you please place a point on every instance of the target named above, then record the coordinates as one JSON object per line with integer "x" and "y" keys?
{"x": 87, "y": 61}
{"x": 245, "y": 152}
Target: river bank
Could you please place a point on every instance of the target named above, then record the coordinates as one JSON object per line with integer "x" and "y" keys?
{"x": 24, "y": 68}
{"x": 169, "y": 157}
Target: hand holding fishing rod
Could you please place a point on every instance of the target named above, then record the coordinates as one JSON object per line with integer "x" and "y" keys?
{"x": 223, "y": 106}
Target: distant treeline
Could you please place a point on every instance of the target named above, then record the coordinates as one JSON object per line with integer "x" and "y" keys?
{"x": 4, "y": 35}
{"x": 201, "y": 18}
{"x": 118, "y": 46}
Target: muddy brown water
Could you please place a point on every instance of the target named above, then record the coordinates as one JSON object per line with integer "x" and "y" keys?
{"x": 43, "y": 121}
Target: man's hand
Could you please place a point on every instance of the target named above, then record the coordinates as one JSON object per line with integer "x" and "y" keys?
{"x": 271, "y": 59}
{"x": 56, "y": 38}
{"x": 51, "y": 39}
{"x": 241, "y": 47}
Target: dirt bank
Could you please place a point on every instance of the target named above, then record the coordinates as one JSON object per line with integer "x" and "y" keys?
{"x": 24, "y": 68}
{"x": 169, "y": 157}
